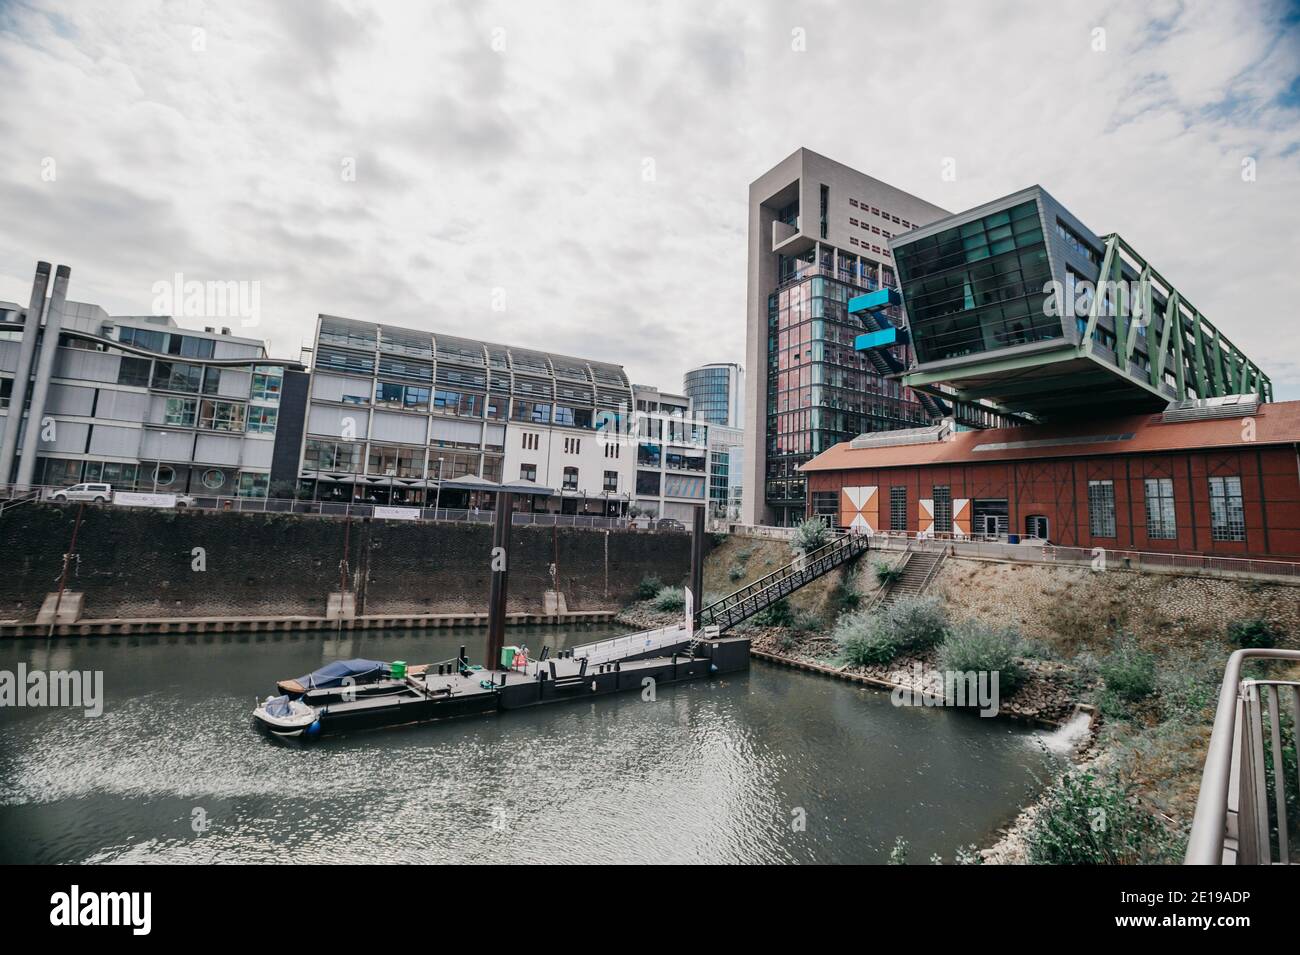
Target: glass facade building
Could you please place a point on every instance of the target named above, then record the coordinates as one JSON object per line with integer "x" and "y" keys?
{"x": 715, "y": 393}
{"x": 822, "y": 391}
{"x": 979, "y": 286}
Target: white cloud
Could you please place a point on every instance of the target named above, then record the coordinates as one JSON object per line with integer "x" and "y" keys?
{"x": 521, "y": 167}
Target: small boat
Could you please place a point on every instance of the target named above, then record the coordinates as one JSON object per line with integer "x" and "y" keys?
{"x": 350, "y": 673}
{"x": 281, "y": 716}
{"x": 302, "y": 701}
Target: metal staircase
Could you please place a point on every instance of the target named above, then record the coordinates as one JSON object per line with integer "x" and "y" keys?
{"x": 919, "y": 567}
{"x": 779, "y": 584}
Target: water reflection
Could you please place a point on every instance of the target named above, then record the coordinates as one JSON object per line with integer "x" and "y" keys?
{"x": 711, "y": 772}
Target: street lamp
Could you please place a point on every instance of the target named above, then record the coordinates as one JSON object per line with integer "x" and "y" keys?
{"x": 158, "y": 464}
{"x": 437, "y": 493}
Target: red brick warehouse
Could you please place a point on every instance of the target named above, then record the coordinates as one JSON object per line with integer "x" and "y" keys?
{"x": 1227, "y": 486}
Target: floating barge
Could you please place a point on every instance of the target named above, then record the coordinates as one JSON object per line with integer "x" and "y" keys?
{"x": 395, "y": 697}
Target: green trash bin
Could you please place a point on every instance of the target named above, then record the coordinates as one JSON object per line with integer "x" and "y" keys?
{"x": 398, "y": 669}
{"x": 508, "y": 657}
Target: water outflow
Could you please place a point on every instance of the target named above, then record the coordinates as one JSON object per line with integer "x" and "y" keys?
{"x": 1067, "y": 738}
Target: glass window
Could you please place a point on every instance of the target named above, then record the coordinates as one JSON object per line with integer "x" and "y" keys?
{"x": 942, "y": 509}
{"x": 133, "y": 371}
{"x": 221, "y": 415}
{"x": 1101, "y": 508}
{"x": 267, "y": 382}
{"x": 253, "y": 485}
{"x": 181, "y": 412}
{"x": 898, "y": 508}
{"x": 570, "y": 479}
{"x": 1160, "y": 509}
{"x": 177, "y": 376}
{"x": 611, "y": 481}
{"x": 262, "y": 420}
{"x": 528, "y": 472}
{"x": 1227, "y": 513}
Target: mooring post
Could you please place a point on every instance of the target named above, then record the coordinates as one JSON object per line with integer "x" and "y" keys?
{"x": 500, "y": 582}
{"x": 697, "y": 566}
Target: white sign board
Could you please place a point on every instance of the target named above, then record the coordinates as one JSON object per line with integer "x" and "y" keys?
{"x": 134, "y": 499}
{"x": 397, "y": 513}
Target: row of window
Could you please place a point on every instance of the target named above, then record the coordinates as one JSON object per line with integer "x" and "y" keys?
{"x": 213, "y": 415}
{"x": 528, "y": 472}
{"x": 884, "y": 214}
{"x": 1227, "y": 511}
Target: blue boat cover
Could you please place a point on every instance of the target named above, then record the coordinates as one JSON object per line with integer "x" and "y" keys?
{"x": 333, "y": 674}
{"x": 278, "y": 706}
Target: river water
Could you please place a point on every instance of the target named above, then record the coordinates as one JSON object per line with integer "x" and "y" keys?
{"x": 773, "y": 765}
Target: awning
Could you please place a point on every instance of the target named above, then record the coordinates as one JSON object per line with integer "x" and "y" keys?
{"x": 523, "y": 486}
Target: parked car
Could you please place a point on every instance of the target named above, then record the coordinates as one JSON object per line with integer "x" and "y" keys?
{"x": 185, "y": 500}
{"x": 96, "y": 493}
{"x": 669, "y": 524}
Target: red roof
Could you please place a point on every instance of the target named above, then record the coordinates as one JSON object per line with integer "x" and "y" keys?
{"x": 1277, "y": 423}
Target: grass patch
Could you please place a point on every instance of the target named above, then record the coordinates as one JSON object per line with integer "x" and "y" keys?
{"x": 1086, "y": 820}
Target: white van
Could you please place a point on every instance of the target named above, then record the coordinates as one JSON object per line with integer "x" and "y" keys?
{"x": 96, "y": 493}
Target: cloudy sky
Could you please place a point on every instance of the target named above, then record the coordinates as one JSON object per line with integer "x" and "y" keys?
{"x": 573, "y": 175}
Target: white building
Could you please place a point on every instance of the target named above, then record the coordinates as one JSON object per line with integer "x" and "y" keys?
{"x": 672, "y": 455}
{"x": 396, "y": 416}
{"x": 134, "y": 401}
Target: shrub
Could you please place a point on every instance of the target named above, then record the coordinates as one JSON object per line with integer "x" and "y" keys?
{"x": 805, "y": 621}
{"x": 867, "y": 638}
{"x": 845, "y": 597}
{"x": 811, "y": 535}
{"x": 974, "y": 647}
{"x": 735, "y": 572}
{"x": 649, "y": 587}
{"x": 787, "y": 642}
{"x": 886, "y": 574}
{"x": 778, "y": 614}
{"x": 1252, "y": 634}
{"x": 864, "y": 640}
{"x": 670, "y": 599}
{"x": 918, "y": 623}
{"x": 1128, "y": 671}
{"x": 1087, "y": 821}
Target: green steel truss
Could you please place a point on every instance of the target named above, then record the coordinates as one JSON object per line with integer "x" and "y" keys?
{"x": 1202, "y": 358}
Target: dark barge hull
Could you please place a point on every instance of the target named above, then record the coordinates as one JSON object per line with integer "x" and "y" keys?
{"x": 456, "y": 695}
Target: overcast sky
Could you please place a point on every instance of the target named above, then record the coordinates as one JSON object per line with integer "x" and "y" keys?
{"x": 573, "y": 176}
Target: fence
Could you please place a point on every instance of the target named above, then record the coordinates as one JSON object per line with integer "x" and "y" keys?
{"x": 264, "y": 505}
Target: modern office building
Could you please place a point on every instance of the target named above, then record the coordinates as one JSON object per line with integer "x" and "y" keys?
{"x": 726, "y": 472}
{"x": 135, "y": 401}
{"x": 672, "y": 455}
{"x": 717, "y": 393}
{"x": 401, "y": 416}
{"x": 819, "y": 235}
{"x": 1019, "y": 304}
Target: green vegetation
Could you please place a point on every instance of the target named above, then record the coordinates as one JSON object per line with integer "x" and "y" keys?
{"x": 779, "y": 614}
{"x": 1129, "y": 676}
{"x": 975, "y": 647}
{"x": 910, "y": 625}
{"x": 735, "y": 572}
{"x": 811, "y": 535}
{"x": 670, "y": 599}
{"x": 885, "y": 574}
{"x": 649, "y": 587}
{"x": 1085, "y": 820}
{"x": 1252, "y": 634}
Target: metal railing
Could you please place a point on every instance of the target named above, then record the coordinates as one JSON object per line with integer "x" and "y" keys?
{"x": 1037, "y": 551}
{"x": 1234, "y": 822}
{"x": 620, "y": 648}
{"x": 11, "y": 496}
{"x": 765, "y": 591}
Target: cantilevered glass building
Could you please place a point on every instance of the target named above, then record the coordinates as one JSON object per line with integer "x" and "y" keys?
{"x": 1018, "y": 303}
